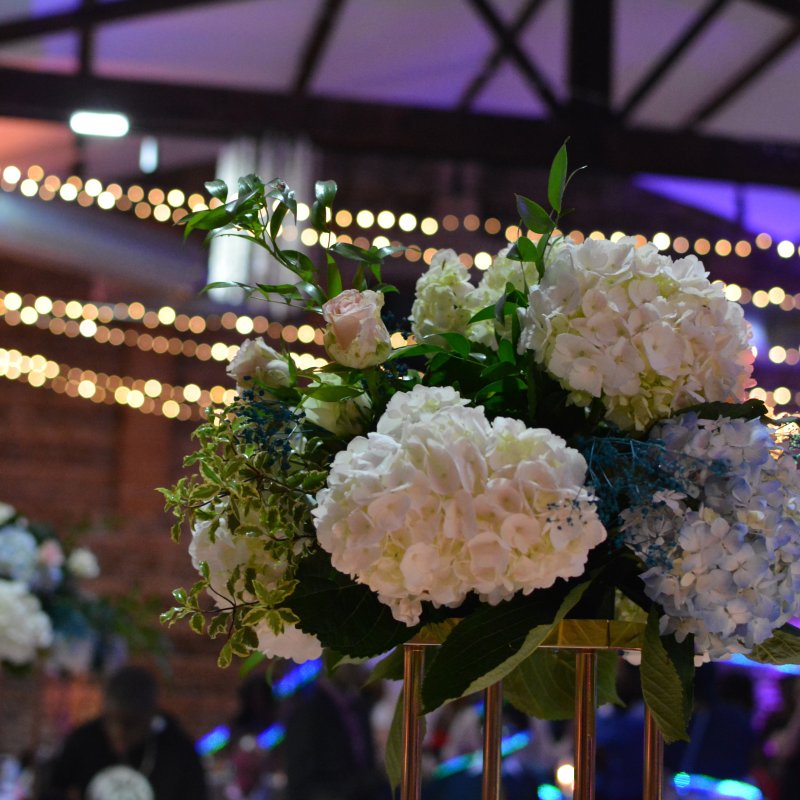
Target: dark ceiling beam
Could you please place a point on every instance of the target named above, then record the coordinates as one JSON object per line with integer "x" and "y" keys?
{"x": 755, "y": 69}
{"x": 591, "y": 48}
{"x": 316, "y": 44}
{"x": 507, "y": 39}
{"x": 343, "y": 126}
{"x": 26, "y": 27}
{"x": 496, "y": 57}
{"x": 670, "y": 58}
{"x": 789, "y": 7}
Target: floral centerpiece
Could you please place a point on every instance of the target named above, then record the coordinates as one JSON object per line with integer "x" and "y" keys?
{"x": 570, "y": 438}
{"x": 47, "y": 615}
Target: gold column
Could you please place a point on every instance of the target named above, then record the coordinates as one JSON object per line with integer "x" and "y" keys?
{"x": 585, "y": 704}
{"x": 653, "y": 759}
{"x": 411, "y": 776}
{"x": 492, "y": 734}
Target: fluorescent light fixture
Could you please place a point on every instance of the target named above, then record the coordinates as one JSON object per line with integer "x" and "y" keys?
{"x": 148, "y": 154}
{"x": 99, "y": 123}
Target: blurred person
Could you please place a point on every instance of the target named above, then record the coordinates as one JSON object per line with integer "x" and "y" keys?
{"x": 722, "y": 739}
{"x": 329, "y": 748}
{"x": 783, "y": 746}
{"x": 132, "y": 751}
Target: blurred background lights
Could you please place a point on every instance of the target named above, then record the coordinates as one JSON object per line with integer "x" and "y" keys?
{"x": 99, "y": 123}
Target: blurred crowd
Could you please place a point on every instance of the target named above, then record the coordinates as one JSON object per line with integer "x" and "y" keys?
{"x": 325, "y": 739}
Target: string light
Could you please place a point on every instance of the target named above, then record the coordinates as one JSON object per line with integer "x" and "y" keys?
{"x": 171, "y": 205}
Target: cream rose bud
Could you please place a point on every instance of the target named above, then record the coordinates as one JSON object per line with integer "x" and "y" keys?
{"x": 356, "y": 335}
{"x": 257, "y": 363}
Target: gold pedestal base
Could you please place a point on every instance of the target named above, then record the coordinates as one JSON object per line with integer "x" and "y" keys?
{"x": 586, "y": 638}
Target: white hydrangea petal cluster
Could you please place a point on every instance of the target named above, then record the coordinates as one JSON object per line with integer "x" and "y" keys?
{"x": 439, "y": 502}
{"x": 724, "y": 562}
{"x": 645, "y": 334}
{"x": 24, "y": 627}
{"x": 445, "y": 299}
{"x": 223, "y": 552}
{"x": 440, "y": 301}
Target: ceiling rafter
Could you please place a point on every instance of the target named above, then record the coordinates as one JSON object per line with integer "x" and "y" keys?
{"x": 590, "y": 53}
{"x": 757, "y": 66}
{"x": 507, "y": 39}
{"x": 670, "y": 58}
{"x": 315, "y": 44}
{"x": 496, "y": 57}
{"x": 374, "y": 128}
{"x": 26, "y": 27}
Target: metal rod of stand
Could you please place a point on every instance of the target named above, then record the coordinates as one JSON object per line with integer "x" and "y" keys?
{"x": 653, "y": 759}
{"x": 585, "y": 704}
{"x": 411, "y": 776}
{"x": 492, "y": 733}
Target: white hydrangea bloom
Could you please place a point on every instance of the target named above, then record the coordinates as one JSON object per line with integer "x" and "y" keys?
{"x": 83, "y": 564}
{"x": 440, "y": 302}
{"x": 724, "y": 568}
{"x": 439, "y": 502}
{"x": 24, "y": 627}
{"x": 645, "y": 334}
{"x": 223, "y": 552}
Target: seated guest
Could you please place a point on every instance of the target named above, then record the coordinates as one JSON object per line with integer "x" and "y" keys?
{"x": 131, "y": 752}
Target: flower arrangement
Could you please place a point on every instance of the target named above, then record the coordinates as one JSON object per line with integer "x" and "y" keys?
{"x": 570, "y": 438}
{"x": 46, "y": 614}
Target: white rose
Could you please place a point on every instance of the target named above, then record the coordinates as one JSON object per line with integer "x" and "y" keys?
{"x": 82, "y": 563}
{"x": 258, "y": 365}
{"x": 356, "y": 335}
{"x": 341, "y": 417}
{"x": 7, "y": 512}
{"x": 24, "y": 627}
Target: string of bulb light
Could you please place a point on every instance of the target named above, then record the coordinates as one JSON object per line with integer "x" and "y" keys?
{"x": 174, "y": 204}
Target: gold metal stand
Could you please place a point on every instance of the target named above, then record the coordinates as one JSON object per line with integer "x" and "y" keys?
{"x": 586, "y": 638}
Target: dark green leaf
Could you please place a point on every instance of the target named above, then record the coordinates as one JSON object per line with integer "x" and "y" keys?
{"x": 325, "y": 191}
{"x": 334, "y": 278}
{"x": 394, "y": 745}
{"x": 505, "y": 352}
{"x": 355, "y": 253}
{"x": 458, "y": 342}
{"x": 332, "y": 394}
{"x": 389, "y": 668}
{"x": 197, "y": 622}
{"x": 533, "y": 215}
{"x": 490, "y": 312}
{"x": 526, "y": 248}
{"x": 750, "y": 409}
{"x": 666, "y": 673}
{"x": 489, "y": 644}
{"x": 558, "y": 178}
{"x": 218, "y": 189}
{"x": 344, "y": 615}
{"x": 414, "y": 350}
{"x": 543, "y": 685}
{"x": 276, "y": 220}
{"x": 208, "y": 220}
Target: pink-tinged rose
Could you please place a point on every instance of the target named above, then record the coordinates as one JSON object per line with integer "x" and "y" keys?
{"x": 356, "y": 335}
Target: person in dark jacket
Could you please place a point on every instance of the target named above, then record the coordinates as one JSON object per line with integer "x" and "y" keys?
{"x": 130, "y": 751}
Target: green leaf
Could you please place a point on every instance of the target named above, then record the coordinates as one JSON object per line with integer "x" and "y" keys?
{"x": 526, "y": 249}
{"x": 225, "y": 656}
{"x": 667, "y": 669}
{"x": 533, "y": 215}
{"x": 505, "y": 352}
{"x": 197, "y": 622}
{"x": 557, "y": 179}
{"x": 334, "y": 278}
{"x": 276, "y": 220}
{"x": 543, "y": 685}
{"x": 208, "y": 220}
{"x": 783, "y": 647}
{"x": 413, "y": 350}
{"x": 489, "y": 644}
{"x": 389, "y": 668}
{"x": 355, "y": 253}
{"x": 218, "y": 189}
{"x": 458, "y": 342}
{"x": 332, "y": 394}
{"x": 344, "y": 615}
{"x": 394, "y": 745}
{"x": 325, "y": 191}
{"x": 750, "y": 409}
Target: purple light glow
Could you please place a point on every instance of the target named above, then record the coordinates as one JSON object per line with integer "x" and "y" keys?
{"x": 770, "y": 209}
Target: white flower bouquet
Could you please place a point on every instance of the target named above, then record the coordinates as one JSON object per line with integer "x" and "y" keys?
{"x": 570, "y": 438}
